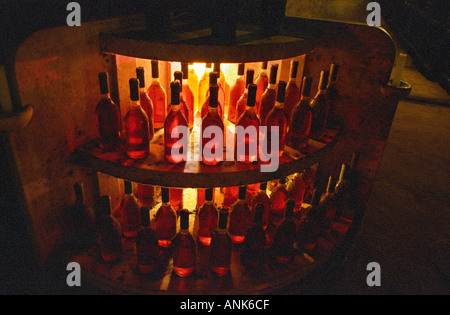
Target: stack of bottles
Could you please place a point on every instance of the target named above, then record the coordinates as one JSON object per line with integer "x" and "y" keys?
{"x": 269, "y": 226}
{"x": 263, "y": 101}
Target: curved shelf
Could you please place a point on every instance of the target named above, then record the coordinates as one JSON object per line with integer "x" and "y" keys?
{"x": 154, "y": 170}
{"x": 194, "y": 44}
{"x": 16, "y": 121}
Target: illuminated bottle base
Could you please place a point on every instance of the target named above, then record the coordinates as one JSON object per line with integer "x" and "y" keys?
{"x": 184, "y": 272}
{"x": 146, "y": 269}
{"x": 237, "y": 239}
{"x": 220, "y": 271}
{"x": 204, "y": 240}
{"x": 137, "y": 155}
{"x": 165, "y": 243}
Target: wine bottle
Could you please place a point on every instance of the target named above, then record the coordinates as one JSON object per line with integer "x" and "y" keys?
{"x": 178, "y": 76}
{"x": 175, "y": 129}
{"x": 319, "y": 107}
{"x": 239, "y": 218}
{"x": 166, "y": 220}
{"x": 110, "y": 237}
{"x": 246, "y": 143}
{"x": 145, "y": 101}
{"x": 211, "y": 143}
{"x": 277, "y": 118}
{"x": 278, "y": 200}
{"x": 82, "y": 218}
{"x": 147, "y": 250}
{"x": 221, "y": 83}
{"x": 205, "y": 106}
{"x": 193, "y": 84}
{"x": 328, "y": 202}
{"x": 262, "y": 198}
{"x": 187, "y": 94}
{"x": 236, "y": 91}
{"x": 242, "y": 103}
{"x": 129, "y": 210}
{"x": 157, "y": 94}
{"x": 285, "y": 236}
{"x": 201, "y": 194}
{"x": 136, "y": 126}
{"x": 108, "y": 117}
{"x": 310, "y": 229}
{"x": 203, "y": 85}
{"x": 269, "y": 96}
{"x": 184, "y": 248}
{"x": 262, "y": 82}
{"x": 300, "y": 122}
{"x": 231, "y": 195}
{"x": 332, "y": 96}
{"x": 341, "y": 193}
{"x": 221, "y": 246}
{"x": 207, "y": 219}
{"x": 296, "y": 191}
{"x": 292, "y": 90}
{"x": 253, "y": 251}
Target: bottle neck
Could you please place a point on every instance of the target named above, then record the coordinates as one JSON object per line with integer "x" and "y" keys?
{"x": 279, "y": 105}
{"x": 304, "y": 98}
{"x": 135, "y": 103}
{"x": 155, "y": 80}
{"x": 272, "y": 86}
{"x": 106, "y": 96}
{"x": 175, "y": 107}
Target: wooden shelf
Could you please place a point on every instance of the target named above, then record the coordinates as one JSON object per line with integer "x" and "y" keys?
{"x": 155, "y": 170}
{"x": 188, "y": 43}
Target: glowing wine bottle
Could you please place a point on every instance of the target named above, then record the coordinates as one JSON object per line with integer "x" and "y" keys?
{"x": 301, "y": 117}
{"x": 278, "y": 200}
{"x": 262, "y": 82}
{"x": 136, "y": 126}
{"x": 145, "y": 101}
{"x": 157, "y": 94}
{"x": 176, "y": 130}
{"x": 253, "y": 251}
{"x": 221, "y": 246}
{"x": 147, "y": 250}
{"x": 178, "y": 76}
{"x": 246, "y": 143}
{"x": 269, "y": 96}
{"x": 332, "y": 95}
{"x": 184, "y": 248}
{"x": 205, "y": 106}
{"x": 222, "y": 96}
{"x": 108, "y": 117}
{"x": 131, "y": 217}
{"x": 203, "y": 85}
{"x": 207, "y": 219}
{"x": 319, "y": 107}
{"x": 292, "y": 90}
{"x": 166, "y": 220}
{"x": 239, "y": 218}
{"x": 212, "y": 143}
{"x": 328, "y": 202}
{"x": 296, "y": 191}
{"x": 236, "y": 92}
{"x": 110, "y": 237}
{"x": 285, "y": 236}
{"x": 242, "y": 103}
{"x": 187, "y": 94}
{"x": 262, "y": 198}
{"x": 277, "y": 118}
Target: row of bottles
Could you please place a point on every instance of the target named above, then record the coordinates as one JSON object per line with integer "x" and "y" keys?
{"x": 278, "y": 225}
{"x": 264, "y": 102}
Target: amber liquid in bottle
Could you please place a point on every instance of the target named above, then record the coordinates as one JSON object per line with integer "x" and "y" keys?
{"x": 221, "y": 246}
{"x": 176, "y": 145}
{"x": 332, "y": 95}
{"x": 236, "y": 92}
{"x": 254, "y": 246}
{"x": 187, "y": 94}
{"x": 310, "y": 229}
{"x": 262, "y": 82}
{"x": 130, "y": 215}
{"x": 212, "y": 143}
{"x": 110, "y": 233}
{"x": 147, "y": 250}
{"x": 285, "y": 236}
{"x": 108, "y": 117}
{"x": 245, "y": 143}
{"x": 329, "y": 208}
{"x": 278, "y": 200}
{"x": 300, "y": 122}
{"x": 241, "y": 105}
{"x": 178, "y": 76}
{"x": 136, "y": 126}
{"x": 277, "y": 118}
{"x": 166, "y": 221}
{"x": 239, "y": 218}
{"x": 207, "y": 219}
{"x": 319, "y": 107}
{"x": 203, "y": 85}
{"x": 292, "y": 90}
{"x": 269, "y": 96}
{"x": 205, "y": 106}
{"x": 145, "y": 101}
{"x": 296, "y": 191}
{"x": 262, "y": 198}
{"x": 157, "y": 94}
{"x": 184, "y": 248}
